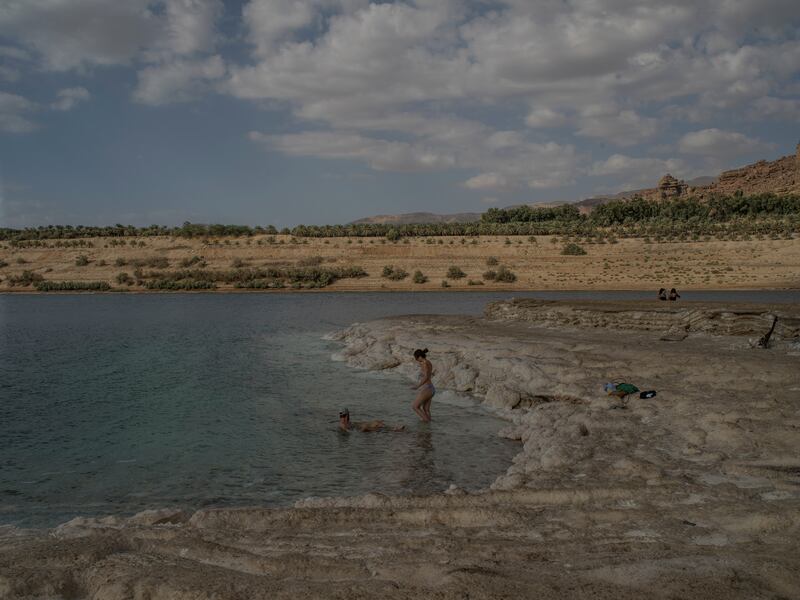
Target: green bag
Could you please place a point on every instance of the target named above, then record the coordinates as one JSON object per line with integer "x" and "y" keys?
{"x": 627, "y": 388}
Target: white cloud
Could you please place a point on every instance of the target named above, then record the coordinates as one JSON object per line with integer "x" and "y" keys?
{"x": 68, "y": 98}
{"x": 641, "y": 172}
{"x": 487, "y": 181}
{"x": 180, "y": 80}
{"x": 717, "y": 143}
{"x": 12, "y": 109}
{"x": 623, "y": 128}
{"x": 545, "y": 117}
{"x": 768, "y": 107}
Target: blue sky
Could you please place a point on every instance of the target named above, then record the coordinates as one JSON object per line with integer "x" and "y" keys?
{"x": 323, "y": 111}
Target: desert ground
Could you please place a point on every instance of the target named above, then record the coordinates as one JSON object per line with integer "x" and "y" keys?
{"x": 691, "y": 494}
{"x": 537, "y": 262}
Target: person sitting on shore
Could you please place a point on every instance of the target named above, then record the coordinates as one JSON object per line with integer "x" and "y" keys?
{"x": 673, "y": 294}
{"x": 346, "y": 425}
{"x": 662, "y": 294}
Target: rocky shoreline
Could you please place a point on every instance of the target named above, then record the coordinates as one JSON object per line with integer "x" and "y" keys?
{"x": 692, "y": 494}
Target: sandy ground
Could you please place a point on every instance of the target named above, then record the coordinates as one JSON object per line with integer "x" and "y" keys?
{"x": 692, "y": 494}
{"x": 630, "y": 264}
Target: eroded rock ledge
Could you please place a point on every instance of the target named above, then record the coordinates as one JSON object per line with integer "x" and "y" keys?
{"x": 693, "y": 494}
{"x": 694, "y": 317}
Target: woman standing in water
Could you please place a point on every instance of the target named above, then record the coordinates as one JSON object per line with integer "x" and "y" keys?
{"x": 422, "y": 403}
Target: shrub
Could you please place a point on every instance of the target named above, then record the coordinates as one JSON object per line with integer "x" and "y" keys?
{"x": 490, "y": 275}
{"x": 238, "y": 263}
{"x": 505, "y": 275}
{"x": 3, "y": 263}
{"x": 82, "y": 261}
{"x": 444, "y": 283}
{"x": 190, "y": 262}
{"x": 101, "y": 263}
{"x": 21, "y": 261}
{"x": 27, "y": 278}
{"x": 394, "y": 273}
{"x": 311, "y": 261}
{"x": 455, "y": 272}
{"x": 120, "y": 262}
{"x": 473, "y": 282}
{"x": 419, "y": 277}
{"x": 72, "y": 286}
{"x": 393, "y": 235}
{"x": 491, "y": 261}
{"x": 124, "y": 278}
{"x": 573, "y": 249}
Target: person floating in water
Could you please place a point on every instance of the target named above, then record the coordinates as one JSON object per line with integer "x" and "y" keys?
{"x": 662, "y": 294}
{"x": 673, "y": 294}
{"x": 345, "y": 424}
{"x": 422, "y": 403}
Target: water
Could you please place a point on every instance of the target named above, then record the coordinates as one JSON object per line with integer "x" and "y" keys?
{"x": 110, "y": 404}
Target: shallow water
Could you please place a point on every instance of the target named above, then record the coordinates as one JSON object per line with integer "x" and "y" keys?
{"x": 117, "y": 403}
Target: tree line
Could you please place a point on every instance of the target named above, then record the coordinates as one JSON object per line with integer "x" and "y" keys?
{"x": 760, "y": 213}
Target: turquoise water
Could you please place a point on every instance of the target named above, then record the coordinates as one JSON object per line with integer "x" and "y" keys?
{"x": 117, "y": 403}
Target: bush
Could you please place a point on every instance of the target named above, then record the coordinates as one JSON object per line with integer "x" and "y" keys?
{"x": 393, "y": 235}
{"x": 3, "y": 263}
{"x": 120, "y": 262}
{"x": 394, "y": 273}
{"x": 101, "y": 263}
{"x": 238, "y": 263}
{"x": 72, "y": 286}
{"x": 190, "y": 262}
{"x": 490, "y": 275}
{"x": 505, "y": 275}
{"x": 124, "y": 278}
{"x": 21, "y": 261}
{"x": 491, "y": 261}
{"x": 419, "y": 277}
{"x": 311, "y": 261}
{"x": 27, "y": 278}
{"x": 473, "y": 282}
{"x": 455, "y": 272}
{"x": 573, "y": 249}
{"x": 445, "y": 284}
{"x": 82, "y": 261}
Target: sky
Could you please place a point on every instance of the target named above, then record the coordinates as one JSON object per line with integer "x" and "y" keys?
{"x": 324, "y": 111}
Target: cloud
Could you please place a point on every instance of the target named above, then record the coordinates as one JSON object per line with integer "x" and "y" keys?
{"x": 784, "y": 109}
{"x": 640, "y": 172}
{"x": 177, "y": 81}
{"x": 68, "y": 98}
{"x": 721, "y": 144}
{"x": 545, "y": 117}
{"x": 487, "y": 181}
{"x": 12, "y": 109}
{"x": 623, "y": 127}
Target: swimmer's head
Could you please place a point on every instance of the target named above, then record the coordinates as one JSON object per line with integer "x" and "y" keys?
{"x": 345, "y": 414}
{"x": 420, "y": 353}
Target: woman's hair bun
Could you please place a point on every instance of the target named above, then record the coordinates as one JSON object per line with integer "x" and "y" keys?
{"x": 426, "y": 351}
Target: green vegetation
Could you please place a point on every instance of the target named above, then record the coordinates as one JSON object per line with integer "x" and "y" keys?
{"x": 455, "y": 272}
{"x": 82, "y": 261}
{"x": 505, "y": 275}
{"x": 762, "y": 214}
{"x": 311, "y": 261}
{"x": 25, "y": 279}
{"x": 72, "y": 286}
{"x": 246, "y": 278}
{"x": 394, "y": 273}
{"x": 124, "y": 278}
{"x": 573, "y": 249}
{"x": 419, "y": 277}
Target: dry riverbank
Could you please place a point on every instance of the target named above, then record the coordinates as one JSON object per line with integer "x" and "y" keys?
{"x": 537, "y": 263}
{"x": 692, "y": 494}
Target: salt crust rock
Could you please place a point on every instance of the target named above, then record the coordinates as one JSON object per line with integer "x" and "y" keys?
{"x": 693, "y": 494}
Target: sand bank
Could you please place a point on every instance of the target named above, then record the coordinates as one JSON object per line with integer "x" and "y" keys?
{"x": 692, "y": 494}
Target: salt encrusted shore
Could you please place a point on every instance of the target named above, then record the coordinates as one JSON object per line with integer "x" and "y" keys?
{"x": 692, "y": 494}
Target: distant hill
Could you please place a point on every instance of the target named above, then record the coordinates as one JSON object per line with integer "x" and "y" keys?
{"x": 781, "y": 176}
{"x": 420, "y": 217}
